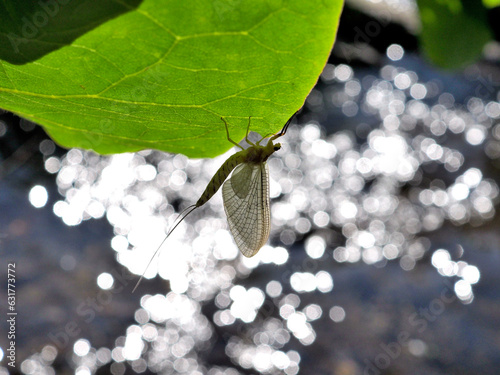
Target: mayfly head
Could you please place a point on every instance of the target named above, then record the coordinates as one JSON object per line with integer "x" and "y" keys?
{"x": 262, "y": 153}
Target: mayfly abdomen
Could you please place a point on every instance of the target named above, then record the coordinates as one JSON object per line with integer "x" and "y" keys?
{"x": 219, "y": 177}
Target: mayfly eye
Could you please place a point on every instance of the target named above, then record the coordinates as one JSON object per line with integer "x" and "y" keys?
{"x": 277, "y": 147}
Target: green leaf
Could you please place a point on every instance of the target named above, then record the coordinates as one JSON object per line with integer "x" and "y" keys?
{"x": 454, "y": 32}
{"x": 491, "y": 3}
{"x": 117, "y": 76}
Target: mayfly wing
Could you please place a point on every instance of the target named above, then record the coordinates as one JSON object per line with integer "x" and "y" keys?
{"x": 246, "y": 202}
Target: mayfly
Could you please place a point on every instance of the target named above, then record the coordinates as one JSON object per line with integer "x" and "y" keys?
{"x": 245, "y": 194}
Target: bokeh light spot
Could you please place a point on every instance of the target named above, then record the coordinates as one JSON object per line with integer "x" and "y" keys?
{"x": 38, "y": 196}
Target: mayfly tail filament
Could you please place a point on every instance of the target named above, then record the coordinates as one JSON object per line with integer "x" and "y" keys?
{"x": 180, "y": 218}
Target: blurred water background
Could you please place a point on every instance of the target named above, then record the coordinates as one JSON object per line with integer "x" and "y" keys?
{"x": 383, "y": 255}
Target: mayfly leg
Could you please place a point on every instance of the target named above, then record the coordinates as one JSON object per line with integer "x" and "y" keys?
{"x": 248, "y": 130}
{"x": 282, "y": 131}
{"x": 285, "y": 128}
{"x": 228, "y": 137}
